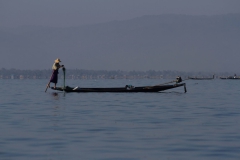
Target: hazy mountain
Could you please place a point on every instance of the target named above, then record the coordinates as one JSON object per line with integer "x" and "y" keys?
{"x": 163, "y": 42}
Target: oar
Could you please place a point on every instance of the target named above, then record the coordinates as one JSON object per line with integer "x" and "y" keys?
{"x": 63, "y": 77}
{"x": 49, "y": 82}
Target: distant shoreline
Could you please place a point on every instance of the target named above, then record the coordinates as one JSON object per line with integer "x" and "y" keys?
{"x": 105, "y": 74}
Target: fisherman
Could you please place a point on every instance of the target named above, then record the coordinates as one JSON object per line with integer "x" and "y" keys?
{"x": 55, "y": 67}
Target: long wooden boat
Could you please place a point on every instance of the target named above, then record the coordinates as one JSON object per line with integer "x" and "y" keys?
{"x": 201, "y": 78}
{"x": 234, "y": 78}
{"x": 127, "y": 88}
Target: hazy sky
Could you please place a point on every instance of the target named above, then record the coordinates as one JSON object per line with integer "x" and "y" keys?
{"x": 65, "y": 13}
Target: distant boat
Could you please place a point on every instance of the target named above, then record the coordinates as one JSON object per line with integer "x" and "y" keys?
{"x": 231, "y": 77}
{"x": 201, "y": 78}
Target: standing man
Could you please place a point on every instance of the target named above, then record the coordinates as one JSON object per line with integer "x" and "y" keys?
{"x": 55, "y": 67}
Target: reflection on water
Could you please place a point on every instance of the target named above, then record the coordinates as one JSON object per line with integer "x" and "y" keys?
{"x": 55, "y": 95}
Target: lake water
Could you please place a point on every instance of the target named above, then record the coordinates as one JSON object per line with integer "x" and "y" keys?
{"x": 202, "y": 124}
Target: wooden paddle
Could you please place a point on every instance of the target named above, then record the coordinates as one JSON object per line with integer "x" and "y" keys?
{"x": 49, "y": 82}
{"x": 63, "y": 77}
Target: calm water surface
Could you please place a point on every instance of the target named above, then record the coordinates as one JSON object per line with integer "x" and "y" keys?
{"x": 203, "y": 123}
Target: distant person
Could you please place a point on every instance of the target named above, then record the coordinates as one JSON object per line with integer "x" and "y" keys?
{"x": 55, "y": 67}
